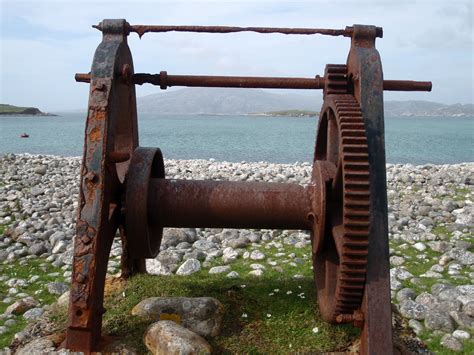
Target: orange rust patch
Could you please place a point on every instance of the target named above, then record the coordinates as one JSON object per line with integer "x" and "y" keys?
{"x": 100, "y": 115}
{"x": 95, "y": 134}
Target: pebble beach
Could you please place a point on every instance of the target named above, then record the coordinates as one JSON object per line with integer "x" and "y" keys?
{"x": 430, "y": 230}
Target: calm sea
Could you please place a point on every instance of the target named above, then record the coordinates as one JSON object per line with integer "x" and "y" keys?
{"x": 237, "y": 138}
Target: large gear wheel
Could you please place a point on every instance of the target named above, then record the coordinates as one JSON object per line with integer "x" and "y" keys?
{"x": 341, "y": 238}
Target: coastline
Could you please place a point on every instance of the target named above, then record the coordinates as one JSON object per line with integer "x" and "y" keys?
{"x": 430, "y": 230}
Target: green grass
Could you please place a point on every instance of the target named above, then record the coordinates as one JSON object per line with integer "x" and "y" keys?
{"x": 11, "y": 108}
{"x": 434, "y": 344}
{"x": 24, "y": 270}
{"x": 289, "y": 328}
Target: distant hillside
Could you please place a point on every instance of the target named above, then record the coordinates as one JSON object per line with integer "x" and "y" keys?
{"x": 11, "y": 110}
{"x": 224, "y": 101}
{"x": 237, "y": 101}
{"x": 427, "y": 108}
{"x": 287, "y": 113}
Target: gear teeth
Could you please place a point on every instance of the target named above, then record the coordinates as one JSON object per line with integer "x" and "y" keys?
{"x": 335, "y": 76}
{"x": 354, "y": 243}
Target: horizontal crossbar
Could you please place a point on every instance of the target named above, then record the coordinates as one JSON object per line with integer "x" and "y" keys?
{"x": 142, "y": 29}
{"x": 163, "y": 80}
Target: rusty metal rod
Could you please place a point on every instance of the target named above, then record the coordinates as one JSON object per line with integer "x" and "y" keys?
{"x": 142, "y": 29}
{"x": 204, "y": 203}
{"x": 407, "y": 85}
{"x": 163, "y": 80}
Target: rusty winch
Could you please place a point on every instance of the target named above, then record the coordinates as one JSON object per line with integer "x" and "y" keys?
{"x": 124, "y": 186}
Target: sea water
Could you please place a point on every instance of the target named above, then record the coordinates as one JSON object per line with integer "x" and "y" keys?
{"x": 415, "y": 140}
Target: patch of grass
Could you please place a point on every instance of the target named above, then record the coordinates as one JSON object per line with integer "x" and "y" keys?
{"x": 24, "y": 270}
{"x": 440, "y": 230}
{"x": 11, "y": 108}
{"x": 281, "y": 311}
{"x": 434, "y": 344}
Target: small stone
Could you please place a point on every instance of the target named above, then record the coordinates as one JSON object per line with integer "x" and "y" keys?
{"x": 63, "y": 300}
{"x": 229, "y": 255}
{"x": 174, "y": 236}
{"x": 437, "y": 288}
{"x": 464, "y": 257}
{"x": 416, "y": 326}
{"x": 437, "y": 319}
{"x": 448, "y": 294}
{"x": 169, "y": 257}
{"x": 219, "y": 269}
{"x": 33, "y": 313}
{"x": 189, "y": 267}
{"x": 461, "y": 334}
{"x": 412, "y": 310}
{"x": 257, "y": 266}
{"x": 36, "y": 191}
{"x": 37, "y": 346}
{"x": 42, "y": 169}
{"x": 468, "y": 308}
{"x": 21, "y": 306}
{"x": 240, "y": 242}
{"x": 156, "y": 267}
{"x": 419, "y": 246}
{"x": 233, "y": 275}
{"x": 257, "y": 255}
{"x": 401, "y": 273}
{"x": 439, "y": 246}
{"x": 406, "y": 294}
{"x": 195, "y": 254}
{"x": 451, "y": 343}
{"x": 427, "y": 300}
{"x": 168, "y": 337}
{"x": 60, "y": 247}
{"x": 37, "y": 249}
{"x": 396, "y": 260}
{"x": 204, "y": 245}
{"x": 57, "y": 288}
{"x": 462, "y": 320}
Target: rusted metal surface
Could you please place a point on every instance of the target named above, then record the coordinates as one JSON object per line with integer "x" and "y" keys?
{"x": 110, "y": 128}
{"x": 340, "y": 260}
{"x": 364, "y": 63}
{"x": 407, "y": 85}
{"x": 163, "y": 80}
{"x": 124, "y": 188}
{"x": 142, "y": 29}
{"x": 144, "y": 233}
{"x": 197, "y": 203}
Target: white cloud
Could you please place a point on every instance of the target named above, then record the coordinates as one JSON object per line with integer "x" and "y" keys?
{"x": 423, "y": 40}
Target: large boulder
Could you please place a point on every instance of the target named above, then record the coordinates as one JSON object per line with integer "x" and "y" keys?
{"x": 202, "y": 315}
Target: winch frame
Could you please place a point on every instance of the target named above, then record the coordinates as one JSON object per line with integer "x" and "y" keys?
{"x": 123, "y": 187}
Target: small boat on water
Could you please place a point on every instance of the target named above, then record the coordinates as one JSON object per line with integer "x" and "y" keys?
{"x": 24, "y": 135}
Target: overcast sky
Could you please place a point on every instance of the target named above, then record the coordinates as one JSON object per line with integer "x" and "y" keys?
{"x": 43, "y": 43}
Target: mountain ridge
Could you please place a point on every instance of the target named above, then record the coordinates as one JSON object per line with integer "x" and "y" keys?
{"x": 235, "y": 101}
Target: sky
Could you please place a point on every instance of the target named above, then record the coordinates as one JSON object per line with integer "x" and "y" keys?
{"x": 44, "y": 43}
